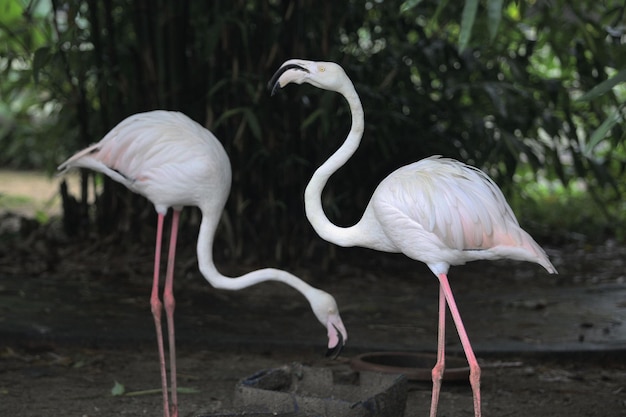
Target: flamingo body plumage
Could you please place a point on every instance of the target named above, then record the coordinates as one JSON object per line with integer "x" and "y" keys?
{"x": 175, "y": 162}
{"x": 438, "y": 210}
{"x": 164, "y": 156}
{"x": 443, "y": 212}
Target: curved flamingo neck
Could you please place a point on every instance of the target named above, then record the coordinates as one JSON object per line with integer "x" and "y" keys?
{"x": 216, "y": 279}
{"x": 342, "y": 236}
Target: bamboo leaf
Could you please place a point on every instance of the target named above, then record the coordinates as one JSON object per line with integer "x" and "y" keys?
{"x": 180, "y": 390}
{"x": 218, "y": 86}
{"x": 227, "y": 115}
{"x": 311, "y": 118}
{"x": 440, "y": 7}
{"x": 408, "y": 5}
{"x": 600, "y": 133}
{"x": 494, "y": 14}
{"x": 253, "y": 123}
{"x": 187, "y": 390}
{"x": 604, "y": 86}
{"x": 467, "y": 23}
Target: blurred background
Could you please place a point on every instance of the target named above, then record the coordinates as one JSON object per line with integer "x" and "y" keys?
{"x": 532, "y": 92}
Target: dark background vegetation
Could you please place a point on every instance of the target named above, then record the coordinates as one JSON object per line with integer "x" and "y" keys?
{"x": 530, "y": 91}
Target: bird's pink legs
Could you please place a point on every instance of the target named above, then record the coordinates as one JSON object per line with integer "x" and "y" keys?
{"x": 467, "y": 347}
{"x": 157, "y": 306}
{"x": 438, "y": 369}
{"x": 168, "y": 299}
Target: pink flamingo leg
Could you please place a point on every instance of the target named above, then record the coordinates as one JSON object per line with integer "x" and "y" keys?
{"x": 438, "y": 369}
{"x": 156, "y": 307}
{"x": 168, "y": 299}
{"x": 467, "y": 347}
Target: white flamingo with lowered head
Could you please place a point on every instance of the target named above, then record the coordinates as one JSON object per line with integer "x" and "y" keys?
{"x": 174, "y": 162}
{"x": 439, "y": 211}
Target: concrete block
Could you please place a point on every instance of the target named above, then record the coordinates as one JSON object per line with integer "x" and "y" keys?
{"x": 298, "y": 390}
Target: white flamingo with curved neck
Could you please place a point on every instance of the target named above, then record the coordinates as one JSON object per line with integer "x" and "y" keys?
{"x": 174, "y": 162}
{"x": 439, "y": 211}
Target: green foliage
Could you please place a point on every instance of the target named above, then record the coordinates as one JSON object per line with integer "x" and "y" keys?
{"x": 605, "y": 86}
{"x": 559, "y": 214}
{"x": 512, "y": 87}
{"x": 24, "y": 111}
{"x": 467, "y": 23}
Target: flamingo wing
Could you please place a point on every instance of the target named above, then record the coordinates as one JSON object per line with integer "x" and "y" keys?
{"x": 442, "y": 210}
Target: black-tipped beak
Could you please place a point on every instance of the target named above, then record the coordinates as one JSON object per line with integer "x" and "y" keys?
{"x": 334, "y": 352}
{"x": 273, "y": 84}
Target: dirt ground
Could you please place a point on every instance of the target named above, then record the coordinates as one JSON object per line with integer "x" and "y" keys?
{"x": 76, "y": 381}
{"x": 75, "y": 319}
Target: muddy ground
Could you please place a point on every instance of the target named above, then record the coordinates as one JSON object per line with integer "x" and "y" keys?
{"x": 75, "y": 318}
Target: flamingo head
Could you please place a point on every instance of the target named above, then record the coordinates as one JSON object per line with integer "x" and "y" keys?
{"x": 325, "y": 308}
{"x": 324, "y": 75}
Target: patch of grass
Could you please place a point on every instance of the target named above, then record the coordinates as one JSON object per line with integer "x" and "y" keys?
{"x": 27, "y": 206}
{"x": 9, "y": 202}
